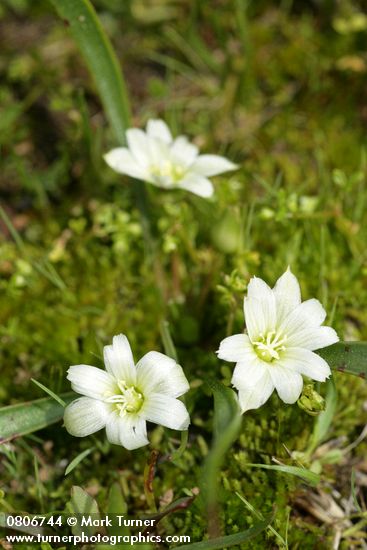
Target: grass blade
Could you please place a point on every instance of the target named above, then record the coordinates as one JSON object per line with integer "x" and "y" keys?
{"x": 50, "y": 392}
{"x": 25, "y": 418}
{"x": 77, "y": 460}
{"x": 101, "y": 59}
{"x": 304, "y": 474}
{"x": 350, "y": 357}
{"x": 43, "y": 267}
{"x": 229, "y": 540}
{"x": 260, "y": 516}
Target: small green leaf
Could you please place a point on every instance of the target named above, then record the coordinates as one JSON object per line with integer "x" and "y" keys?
{"x": 304, "y": 474}
{"x": 116, "y": 502}
{"x": 117, "y": 505}
{"x": 350, "y": 357}
{"x": 229, "y": 540}
{"x": 82, "y": 504}
{"x": 77, "y": 460}
{"x": 25, "y": 418}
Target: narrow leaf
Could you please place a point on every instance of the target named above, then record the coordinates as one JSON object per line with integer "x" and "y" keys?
{"x": 177, "y": 454}
{"x": 77, "y": 460}
{"x": 350, "y": 357}
{"x": 226, "y": 425}
{"x": 226, "y": 407}
{"x": 103, "y": 64}
{"x": 29, "y": 529}
{"x": 304, "y": 474}
{"x": 324, "y": 419}
{"x": 50, "y": 392}
{"x": 101, "y": 59}
{"x": 25, "y": 418}
{"x": 175, "y": 506}
{"x": 229, "y": 540}
{"x": 169, "y": 347}
{"x": 260, "y": 516}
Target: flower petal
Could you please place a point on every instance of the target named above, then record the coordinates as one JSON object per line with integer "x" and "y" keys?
{"x": 259, "y": 308}
{"x": 287, "y": 294}
{"x": 308, "y": 314}
{"x": 122, "y": 161}
{"x": 90, "y": 381}
{"x": 160, "y": 156}
{"x": 260, "y": 290}
{"x": 306, "y": 362}
{"x": 157, "y": 373}
{"x": 166, "y": 411}
{"x": 183, "y": 152}
{"x": 158, "y": 129}
{"x": 235, "y": 348}
{"x": 197, "y": 184}
{"x": 247, "y": 374}
{"x": 255, "y": 396}
{"x": 119, "y": 359}
{"x": 212, "y": 165}
{"x": 288, "y": 383}
{"x": 139, "y": 145}
{"x": 313, "y": 338}
{"x": 84, "y": 416}
{"x": 130, "y": 431}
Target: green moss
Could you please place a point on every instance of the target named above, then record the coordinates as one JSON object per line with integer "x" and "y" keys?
{"x": 272, "y": 100}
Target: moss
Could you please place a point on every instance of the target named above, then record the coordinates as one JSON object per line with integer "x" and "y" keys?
{"x": 84, "y": 273}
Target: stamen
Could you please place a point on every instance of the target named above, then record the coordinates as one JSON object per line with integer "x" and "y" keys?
{"x": 268, "y": 346}
{"x": 130, "y": 400}
{"x": 168, "y": 169}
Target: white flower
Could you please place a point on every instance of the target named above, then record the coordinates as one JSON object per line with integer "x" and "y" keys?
{"x": 124, "y": 397}
{"x": 155, "y": 157}
{"x": 278, "y": 345}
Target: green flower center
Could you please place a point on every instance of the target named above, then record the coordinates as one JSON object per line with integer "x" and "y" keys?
{"x": 130, "y": 400}
{"x": 269, "y": 346}
{"x": 169, "y": 170}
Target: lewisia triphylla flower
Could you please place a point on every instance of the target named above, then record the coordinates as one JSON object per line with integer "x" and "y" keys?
{"x": 125, "y": 396}
{"x": 277, "y": 348}
{"x": 155, "y": 157}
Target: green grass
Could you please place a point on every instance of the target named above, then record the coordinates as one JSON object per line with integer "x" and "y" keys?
{"x": 277, "y": 90}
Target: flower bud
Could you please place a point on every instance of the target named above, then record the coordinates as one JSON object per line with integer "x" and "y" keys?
{"x": 311, "y": 401}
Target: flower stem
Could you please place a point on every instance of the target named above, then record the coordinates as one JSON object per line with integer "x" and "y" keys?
{"x": 149, "y": 472}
